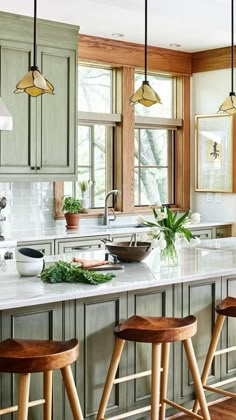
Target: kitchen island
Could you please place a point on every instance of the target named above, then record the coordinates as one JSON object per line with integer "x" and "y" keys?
{"x": 32, "y": 309}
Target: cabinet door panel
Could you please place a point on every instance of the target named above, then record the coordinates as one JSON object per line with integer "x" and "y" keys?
{"x": 42, "y": 323}
{"x": 199, "y": 299}
{"x": 17, "y": 153}
{"x": 96, "y": 344}
{"x": 154, "y": 302}
{"x": 228, "y": 334}
{"x": 56, "y": 148}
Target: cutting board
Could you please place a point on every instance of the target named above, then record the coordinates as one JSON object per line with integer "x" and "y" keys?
{"x": 106, "y": 267}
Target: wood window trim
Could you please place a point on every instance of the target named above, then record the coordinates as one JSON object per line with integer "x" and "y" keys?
{"x": 124, "y": 151}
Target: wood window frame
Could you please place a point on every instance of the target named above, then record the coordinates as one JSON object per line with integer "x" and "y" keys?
{"x": 125, "y": 57}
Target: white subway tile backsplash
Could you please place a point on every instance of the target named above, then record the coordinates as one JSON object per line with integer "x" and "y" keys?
{"x": 29, "y": 205}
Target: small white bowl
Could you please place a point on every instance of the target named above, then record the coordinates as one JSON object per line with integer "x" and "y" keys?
{"x": 29, "y": 255}
{"x": 29, "y": 269}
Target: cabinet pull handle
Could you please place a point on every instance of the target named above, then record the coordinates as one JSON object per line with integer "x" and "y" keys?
{"x": 33, "y": 168}
{"x": 38, "y": 168}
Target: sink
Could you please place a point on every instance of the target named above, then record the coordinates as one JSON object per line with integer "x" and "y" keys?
{"x": 115, "y": 226}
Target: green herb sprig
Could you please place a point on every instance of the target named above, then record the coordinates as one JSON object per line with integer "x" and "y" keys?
{"x": 66, "y": 272}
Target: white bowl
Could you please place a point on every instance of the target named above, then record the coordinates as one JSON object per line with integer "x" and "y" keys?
{"x": 29, "y": 255}
{"x": 29, "y": 269}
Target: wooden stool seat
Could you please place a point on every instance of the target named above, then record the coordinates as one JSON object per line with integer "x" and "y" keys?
{"x": 29, "y": 356}
{"x": 160, "y": 332}
{"x": 148, "y": 329}
{"x": 227, "y": 307}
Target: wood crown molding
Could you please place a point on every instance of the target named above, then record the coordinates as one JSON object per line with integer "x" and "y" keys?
{"x": 217, "y": 59}
{"x": 121, "y": 53}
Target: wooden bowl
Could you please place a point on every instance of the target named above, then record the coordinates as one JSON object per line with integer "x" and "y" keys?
{"x": 128, "y": 253}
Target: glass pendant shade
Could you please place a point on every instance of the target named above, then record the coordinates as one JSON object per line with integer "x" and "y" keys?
{"x": 145, "y": 95}
{"x": 229, "y": 105}
{"x": 34, "y": 84}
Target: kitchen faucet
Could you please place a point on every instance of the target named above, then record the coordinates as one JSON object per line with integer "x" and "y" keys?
{"x": 106, "y": 216}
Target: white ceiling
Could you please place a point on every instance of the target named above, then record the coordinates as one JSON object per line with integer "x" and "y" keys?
{"x": 196, "y": 25}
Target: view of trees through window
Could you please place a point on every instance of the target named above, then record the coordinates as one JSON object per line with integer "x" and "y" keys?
{"x": 153, "y": 166}
{"x": 153, "y": 160}
{"x": 95, "y": 140}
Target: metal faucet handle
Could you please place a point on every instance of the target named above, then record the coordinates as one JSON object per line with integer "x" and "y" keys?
{"x": 113, "y": 212}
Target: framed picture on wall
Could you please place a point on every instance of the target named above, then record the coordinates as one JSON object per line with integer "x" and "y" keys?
{"x": 214, "y": 153}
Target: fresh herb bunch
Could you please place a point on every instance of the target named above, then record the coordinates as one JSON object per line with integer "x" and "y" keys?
{"x": 71, "y": 205}
{"x": 70, "y": 273}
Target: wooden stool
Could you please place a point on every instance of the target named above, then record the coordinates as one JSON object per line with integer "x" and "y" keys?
{"x": 29, "y": 356}
{"x": 226, "y": 308}
{"x": 157, "y": 331}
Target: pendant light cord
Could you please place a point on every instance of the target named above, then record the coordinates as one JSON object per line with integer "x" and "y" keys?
{"x": 35, "y": 17}
{"x": 145, "y": 45}
{"x": 232, "y": 46}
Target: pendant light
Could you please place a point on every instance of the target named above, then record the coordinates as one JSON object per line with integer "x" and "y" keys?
{"x": 229, "y": 105}
{"x": 34, "y": 83}
{"x": 5, "y": 117}
{"x": 145, "y": 95}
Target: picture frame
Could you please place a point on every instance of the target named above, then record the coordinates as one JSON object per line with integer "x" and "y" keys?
{"x": 214, "y": 153}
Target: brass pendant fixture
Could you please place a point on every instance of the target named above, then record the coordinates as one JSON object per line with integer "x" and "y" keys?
{"x": 229, "y": 105}
{"x": 145, "y": 95}
{"x": 34, "y": 83}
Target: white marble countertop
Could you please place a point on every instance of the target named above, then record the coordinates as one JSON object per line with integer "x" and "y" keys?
{"x": 91, "y": 230}
{"x": 216, "y": 260}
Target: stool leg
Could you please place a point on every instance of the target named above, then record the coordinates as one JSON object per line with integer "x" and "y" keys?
{"x": 196, "y": 377}
{"x": 47, "y": 391}
{"x": 23, "y": 396}
{"x": 119, "y": 345}
{"x": 164, "y": 378}
{"x": 72, "y": 393}
{"x": 156, "y": 371}
{"x": 210, "y": 354}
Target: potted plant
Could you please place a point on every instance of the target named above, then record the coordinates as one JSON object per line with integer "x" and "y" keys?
{"x": 72, "y": 207}
{"x": 84, "y": 185}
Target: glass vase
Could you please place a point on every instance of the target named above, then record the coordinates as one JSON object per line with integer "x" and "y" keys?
{"x": 170, "y": 254}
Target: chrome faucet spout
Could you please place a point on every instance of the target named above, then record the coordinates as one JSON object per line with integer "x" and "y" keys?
{"x": 106, "y": 217}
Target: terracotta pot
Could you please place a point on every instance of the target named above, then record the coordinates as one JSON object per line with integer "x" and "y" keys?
{"x": 72, "y": 220}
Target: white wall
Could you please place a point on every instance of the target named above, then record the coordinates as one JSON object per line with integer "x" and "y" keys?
{"x": 209, "y": 90}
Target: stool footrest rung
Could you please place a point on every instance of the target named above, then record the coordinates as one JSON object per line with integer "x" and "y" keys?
{"x": 130, "y": 413}
{"x": 223, "y": 351}
{"x": 220, "y": 391}
{"x": 183, "y": 409}
{"x": 14, "y": 408}
{"x": 133, "y": 376}
{"x": 225, "y": 382}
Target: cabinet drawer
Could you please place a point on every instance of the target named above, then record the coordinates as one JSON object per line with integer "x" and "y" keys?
{"x": 87, "y": 244}
{"x": 202, "y": 233}
{"x": 47, "y": 248}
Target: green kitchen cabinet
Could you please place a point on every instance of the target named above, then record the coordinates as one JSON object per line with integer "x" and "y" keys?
{"x": 228, "y": 338}
{"x": 197, "y": 298}
{"x": 96, "y": 318}
{"x": 43, "y": 142}
{"x": 150, "y": 302}
{"x": 44, "y": 322}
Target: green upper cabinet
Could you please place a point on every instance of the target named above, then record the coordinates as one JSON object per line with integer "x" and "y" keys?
{"x": 43, "y": 142}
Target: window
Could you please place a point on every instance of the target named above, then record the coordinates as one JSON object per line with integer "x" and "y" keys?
{"x": 153, "y": 166}
{"x": 154, "y": 145}
{"x": 95, "y": 134}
